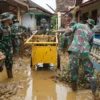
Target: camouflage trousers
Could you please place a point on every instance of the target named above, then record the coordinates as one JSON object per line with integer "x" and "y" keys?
{"x": 77, "y": 59}
{"x": 16, "y": 46}
{"x": 21, "y": 48}
{"x": 6, "y": 50}
{"x": 63, "y": 42}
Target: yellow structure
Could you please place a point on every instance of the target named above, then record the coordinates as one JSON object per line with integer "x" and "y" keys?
{"x": 44, "y": 50}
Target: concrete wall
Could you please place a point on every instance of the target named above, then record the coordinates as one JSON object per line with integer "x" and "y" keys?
{"x": 29, "y": 21}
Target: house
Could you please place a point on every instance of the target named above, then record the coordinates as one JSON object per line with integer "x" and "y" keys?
{"x": 93, "y": 11}
{"x": 28, "y": 13}
{"x": 14, "y": 6}
{"x": 32, "y": 17}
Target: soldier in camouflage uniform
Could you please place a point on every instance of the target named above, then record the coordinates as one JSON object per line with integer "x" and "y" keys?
{"x": 44, "y": 28}
{"x": 80, "y": 53}
{"x": 17, "y": 36}
{"x": 65, "y": 41}
{"x": 5, "y": 41}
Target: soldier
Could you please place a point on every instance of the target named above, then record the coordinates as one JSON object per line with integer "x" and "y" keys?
{"x": 66, "y": 41}
{"x": 5, "y": 41}
{"x": 17, "y": 37}
{"x": 44, "y": 28}
{"x": 79, "y": 53}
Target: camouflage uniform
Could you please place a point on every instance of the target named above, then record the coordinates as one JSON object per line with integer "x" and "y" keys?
{"x": 44, "y": 26}
{"x": 16, "y": 37}
{"x": 21, "y": 39}
{"x": 79, "y": 54}
{"x": 66, "y": 40}
{"x": 5, "y": 43}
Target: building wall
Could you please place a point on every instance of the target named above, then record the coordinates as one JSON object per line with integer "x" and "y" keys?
{"x": 90, "y": 8}
{"x": 29, "y": 21}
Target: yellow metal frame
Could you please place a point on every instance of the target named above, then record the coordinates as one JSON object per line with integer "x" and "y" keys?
{"x": 43, "y": 52}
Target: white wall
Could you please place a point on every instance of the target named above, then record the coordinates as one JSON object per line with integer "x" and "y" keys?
{"x": 29, "y": 21}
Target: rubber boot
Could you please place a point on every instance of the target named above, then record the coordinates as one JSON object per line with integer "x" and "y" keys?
{"x": 9, "y": 73}
{"x": 74, "y": 85}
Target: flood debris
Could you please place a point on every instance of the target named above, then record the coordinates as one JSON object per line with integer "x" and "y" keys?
{"x": 44, "y": 39}
{"x": 19, "y": 97}
{"x": 9, "y": 89}
{"x": 27, "y": 50}
{"x": 64, "y": 74}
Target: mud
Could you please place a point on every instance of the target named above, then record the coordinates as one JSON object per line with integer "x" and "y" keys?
{"x": 36, "y": 85}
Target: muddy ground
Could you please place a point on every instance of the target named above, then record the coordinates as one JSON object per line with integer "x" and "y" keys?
{"x": 36, "y": 85}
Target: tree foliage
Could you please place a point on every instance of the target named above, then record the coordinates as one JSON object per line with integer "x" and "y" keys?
{"x": 53, "y": 22}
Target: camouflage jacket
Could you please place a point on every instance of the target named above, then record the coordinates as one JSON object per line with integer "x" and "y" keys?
{"x": 82, "y": 38}
{"x": 16, "y": 30}
{"x": 44, "y": 28}
{"x": 5, "y": 39}
{"x": 5, "y": 35}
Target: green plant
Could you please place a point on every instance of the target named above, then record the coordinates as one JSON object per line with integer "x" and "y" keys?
{"x": 53, "y": 21}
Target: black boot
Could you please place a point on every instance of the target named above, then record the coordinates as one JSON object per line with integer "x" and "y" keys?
{"x": 74, "y": 85}
{"x": 1, "y": 68}
{"x": 9, "y": 73}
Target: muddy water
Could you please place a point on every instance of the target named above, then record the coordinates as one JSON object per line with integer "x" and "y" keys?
{"x": 37, "y": 85}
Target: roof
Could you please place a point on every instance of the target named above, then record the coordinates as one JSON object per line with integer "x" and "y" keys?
{"x": 90, "y": 2}
{"x": 36, "y": 13}
{"x": 63, "y": 6}
{"x": 17, "y": 2}
{"x": 34, "y": 5}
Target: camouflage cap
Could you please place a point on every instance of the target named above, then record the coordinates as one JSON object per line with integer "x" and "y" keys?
{"x": 91, "y": 22}
{"x": 43, "y": 20}
{"x": 6, "y": 16}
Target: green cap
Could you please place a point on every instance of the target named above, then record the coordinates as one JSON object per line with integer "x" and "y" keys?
{"x": 6, "y": 16}
{"x": 91, "y": 22}
{"x": 43, "y": 20}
